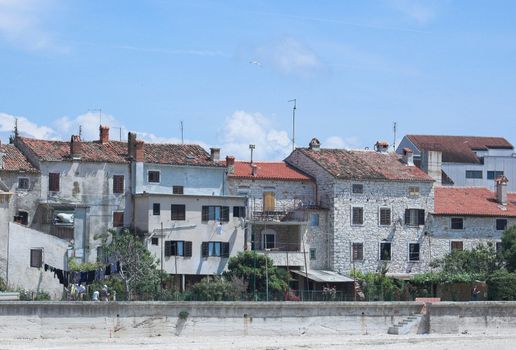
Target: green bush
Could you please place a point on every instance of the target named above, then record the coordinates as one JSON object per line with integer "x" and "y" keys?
{"x": 502, "y": 285}
{"x": 3, "y": 285}
{"x": 378, "y": 287}
{"x": 30, "y": 295}
{"x": 218, "y": 289}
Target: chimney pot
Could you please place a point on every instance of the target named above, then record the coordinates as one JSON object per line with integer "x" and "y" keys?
{"x": 104, "y": 134}
{"x": 501, "y": 189}
{"x": 230, "y": 164}
{"x": 75, "y": 146}
{"x": 314, "y": 145}
{"x": 214, "y": 154}
{"x": 381, "y": 146}
{"x": 139, "y": 152}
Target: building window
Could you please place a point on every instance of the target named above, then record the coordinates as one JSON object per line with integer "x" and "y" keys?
{"x": 154, "y": 240}
{"x": 118, "y": 219}
{"x": 118, "y": 183}
{"x": 239, "y": 212}
{"x": 498, "y": 247}
{"x": 153, "y": 176}
{"x": 215, "y": 249}
{"x": 23, "y": 183}
{"x": 36, "y": 258}
{"x": 413, "y": 251}
{"x": 358, "y": 251}
{"x": 457, "y": 245}
{"x": 357, "y": 188}
{"x": 457, "y": 223}
{"x": 177, "y": 189}
{"x": 312, "y": 254}
{"x": 268, "y": 240}
{"x": 413, "y": 191}
{"x": 269, "y": 201}
{"x": 314, "y": 219}
{"x": 493, "y": 174}
{"x": 53, "y": 182}
{"x": 414, "y": 217}
{"x": 22, "y": 218}
{"x": 215, "y": 213}
{"x": 357, "y": 216}
{"x": 385, "y": 216}
{"x": 501, "y": 224}
{"x": 156, "y": 209}
{"x": 178, "y": 248}
{"x": 385, "y": 251}
{"x": 473, "y": 174}
{"x": 178, "y": 212}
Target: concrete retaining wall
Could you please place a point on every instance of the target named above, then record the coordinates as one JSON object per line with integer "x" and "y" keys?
{"x": 148, "y": 319}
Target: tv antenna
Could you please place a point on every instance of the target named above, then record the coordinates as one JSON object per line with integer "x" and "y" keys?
{"x": 182, "y": 133}
{"x": 394, "y": 127}
{"x": 294, "y": 123}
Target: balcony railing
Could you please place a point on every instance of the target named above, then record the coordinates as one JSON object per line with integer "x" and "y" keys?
{"x": 283, "y": 213}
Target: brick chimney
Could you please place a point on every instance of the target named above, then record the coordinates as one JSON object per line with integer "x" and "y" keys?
{"x": 139, "y": 153}
{"x": 104, "y": 134}
{"x": 75, "y": 147}
{"x": 315, "y": 145}
{"x": 501, "y": 189}
{"x": 230, "y": 164}
{"x": 214, "y": 154}
{"x": 408, "y": 156}
{"x": 131, "y": 144}
{"x": 381, "y": 146}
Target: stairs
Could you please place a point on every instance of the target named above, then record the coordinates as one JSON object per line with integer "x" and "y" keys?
{"x": 408, "y": 325}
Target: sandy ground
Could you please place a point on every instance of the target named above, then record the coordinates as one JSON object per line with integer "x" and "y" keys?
{"x": 413, "y": 342}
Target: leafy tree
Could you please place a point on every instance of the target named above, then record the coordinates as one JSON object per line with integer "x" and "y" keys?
{"x": 219, "y": 289}
{"x": 509, "y": 248}
{"x": 252, "y": 268}
{"x": 502, "y": 285}
{"x": 3, "y": 285}
{"x": 137, "y": 265}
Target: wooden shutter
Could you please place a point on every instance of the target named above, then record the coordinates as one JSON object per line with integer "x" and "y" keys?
{"x": 187, "y": 249}
{"x": 178, "y": 212}
{"x": 118, "y": 183}
{"x": 269, "y": 201}
{"x": 118, "y": 219}
{"x": 205, "y": 213}
{"x": 224, "y": 249}
{"x": 53, "y": 182}
{"x": 407, "y": 216}
{"x": 421, "y": 217}
{"x": 224, "y": 215}
{"x": 205, "y": 249}
{"x": 358, "y": 251}
{"x": 168, "y": 248}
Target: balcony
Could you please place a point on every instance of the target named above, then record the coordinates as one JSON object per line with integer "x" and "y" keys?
{"x": 282, "y": 243}
{"x": 291, "y": 211}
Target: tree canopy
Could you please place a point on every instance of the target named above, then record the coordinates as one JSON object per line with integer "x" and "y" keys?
{"x": 509, "y": 248}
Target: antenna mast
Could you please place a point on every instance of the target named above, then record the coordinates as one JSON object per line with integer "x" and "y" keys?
{"x": 182, "y": 133}
{"x": 293, "y": 124}
{"x": 394, "y": 127}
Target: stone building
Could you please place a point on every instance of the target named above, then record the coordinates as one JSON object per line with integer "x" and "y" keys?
{"x": 378, "y": 205}
{"x": 467, "y": 216}
{"x": 191, "y": 223}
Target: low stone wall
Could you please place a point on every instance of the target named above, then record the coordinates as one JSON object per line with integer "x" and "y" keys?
{"x": 150, "y": 319}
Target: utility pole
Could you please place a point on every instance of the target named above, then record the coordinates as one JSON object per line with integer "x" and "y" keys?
{"x": 266, "y": 276}
{"x": 182, "y": 133}
{"x": 161, "y": 261}
{"x": 294, "y": 123}
{"x": 394, "y": 126}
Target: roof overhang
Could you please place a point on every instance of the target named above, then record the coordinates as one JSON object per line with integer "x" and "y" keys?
{"x": 323, "y": 276}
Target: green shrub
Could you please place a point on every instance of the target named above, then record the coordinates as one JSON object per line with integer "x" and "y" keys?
{"x": 30, "y": 295}
{"x": 502, "y": 285}
{"x": 3, "y": 285}
{"x": 218, "y": 289}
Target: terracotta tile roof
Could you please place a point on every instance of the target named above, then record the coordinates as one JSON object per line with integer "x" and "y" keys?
{"x": 14, "y": 160}
{"x": 459, "y": 149}
{"x": 116, "y": 152}
{"x": 166, "y": 153}
{"x": 268, "y": 171}
{"x": 472, "y": 201}
{"x": 365, "y": 165}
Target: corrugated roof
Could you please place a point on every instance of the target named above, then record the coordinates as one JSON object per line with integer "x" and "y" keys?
{"x": 459, "y": 149}
{"x": 268, "y": 171}
{"x": 472, "y": 201}
{"x": 14, "y": 160}
{"x": 365, "y": 165}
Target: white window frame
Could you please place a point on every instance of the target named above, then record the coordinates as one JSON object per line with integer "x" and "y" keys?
{"x": 380, "y": 250}
{"x": 269, "y": 232}
{"x": 351, "y": 216}
{"x": 413, "y": 193}
{"x": 153, "y": 170}
{"x": 408, "y": 252}
{"x": 457, "y": 229}
{"x": 380, "y": 216}
{"x": 18, "y": 184}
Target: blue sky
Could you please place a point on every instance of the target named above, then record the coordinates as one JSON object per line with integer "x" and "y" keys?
{"x": 228, "y": 68}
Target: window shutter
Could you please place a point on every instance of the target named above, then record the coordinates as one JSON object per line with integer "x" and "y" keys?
{"x": 53, "y": 182}
{"x": 421, "y": 217}
{"x": 269, "y": 201}
{"x": 224, "y": 214}
{"x": 407, "y": 216}
{"x": 36, "y": 258}
{"x": 187, "y": 249}
{"x": 205, "y": 213}
{"x": 204, "y": 249}
{"x": 118, "y": 183}
{"x": 225, "y": 249}
{"x": 168, "y": 248}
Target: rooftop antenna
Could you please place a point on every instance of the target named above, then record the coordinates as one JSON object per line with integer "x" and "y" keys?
{"x": 120, "y": 131}
{"x": 252, "y": 147}
{"x": 182, "y": 133}
{"x": 293, "y": 124}
{"x": 16, "y": 128}
{"x": 80, "y": 132}
{"x": 394, "y": 127}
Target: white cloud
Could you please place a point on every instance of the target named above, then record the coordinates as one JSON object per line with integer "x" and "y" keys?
{"x": 22, "y": 24}
{"x": 338, "y": 142}
{"x": 25, "y": 127}
{"x": 420, "y": 11}
{"x": 243, "y": 128}
{"x": 290, "y": 56}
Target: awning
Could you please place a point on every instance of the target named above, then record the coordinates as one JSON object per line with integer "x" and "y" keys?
{"x": 323, "y": 276}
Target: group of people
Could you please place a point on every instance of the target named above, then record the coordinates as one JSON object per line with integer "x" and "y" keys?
{"x": 77, "y": 292}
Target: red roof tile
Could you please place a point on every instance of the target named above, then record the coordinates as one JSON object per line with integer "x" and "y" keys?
{"x": 365, "y": 165}
{"x": 14, "y": 160}
{"x": 459, "y": 149}
{"x": 268, "y": 171}
{"x": 472, "y": 201}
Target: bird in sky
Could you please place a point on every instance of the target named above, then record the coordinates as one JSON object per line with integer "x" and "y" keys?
{"x": 259, "y": 64}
